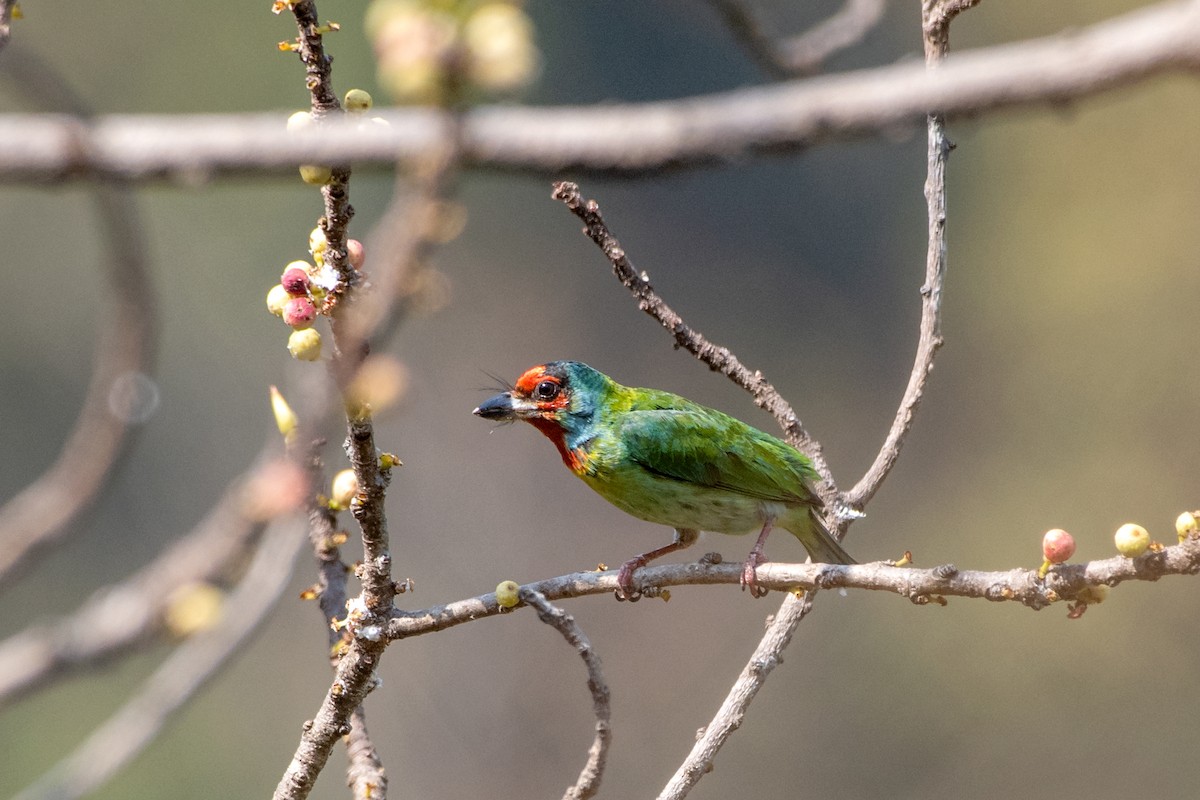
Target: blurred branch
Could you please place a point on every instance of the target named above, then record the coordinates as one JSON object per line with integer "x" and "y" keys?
{"x": 1065, "y": 582}
{"x": 718, "y": 359}
{"x": 6, "y": 18}
{"x": 629, "y": 137}
{"x": 805, "y": 53}
{"x": 365, "y": 773}
{"x": 41, "y": 513}
{"x": 120, "y": 739}
{"x": 114, "y": 620}
{"x": 589, "y": 779}
{"x": 767, "y": 656}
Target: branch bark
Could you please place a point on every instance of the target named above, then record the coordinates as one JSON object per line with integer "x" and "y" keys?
{"x": 629, "y": 138}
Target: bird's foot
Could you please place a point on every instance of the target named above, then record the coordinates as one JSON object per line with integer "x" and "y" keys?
{"x": 627, "y": 590}
{"x": 749, "y": 574}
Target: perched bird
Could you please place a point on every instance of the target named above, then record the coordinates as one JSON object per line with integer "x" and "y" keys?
{"x": 665, "y": 459}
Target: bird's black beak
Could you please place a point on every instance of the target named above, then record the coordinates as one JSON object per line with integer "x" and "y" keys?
{"x": 499, "y": 407}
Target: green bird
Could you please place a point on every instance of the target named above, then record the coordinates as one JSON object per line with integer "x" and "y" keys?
{"x": 665, "y": 459}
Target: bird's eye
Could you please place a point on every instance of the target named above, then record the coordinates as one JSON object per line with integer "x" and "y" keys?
{"x": 546, "y": 390}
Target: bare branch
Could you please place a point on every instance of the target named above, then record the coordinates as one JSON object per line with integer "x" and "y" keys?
{"x": 116, "y": 619}
{"x": 805, "y": 53}
{"x": 718, "y": 358}
{"x": 589, "y": 779}
{"x": 119, "y": 392}
{"x": 630, "y": 137}
{"x": 120, "y": 739}
{"x": 1064, "y": 582}
{"x": 365, "y": 774}
{"x": 767, "y": 656}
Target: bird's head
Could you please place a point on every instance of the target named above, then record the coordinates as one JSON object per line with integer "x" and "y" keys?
{"x": 548, "y": 395}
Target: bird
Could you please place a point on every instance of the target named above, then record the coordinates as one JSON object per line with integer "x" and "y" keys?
{"x": 667, "y": 460}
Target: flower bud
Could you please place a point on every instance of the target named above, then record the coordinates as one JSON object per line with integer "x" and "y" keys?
{"x": 285, "y": 419}
{"x": 343, "y": 488}
{"x": 305, "y": 344}
{"x": 1131, "y": 540}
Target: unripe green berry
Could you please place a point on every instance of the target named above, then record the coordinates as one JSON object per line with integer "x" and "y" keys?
{"x": 357, "y": 101}
{"x": 1186, "y": 525}
{"x": 343, "y": 488}
{"x": 1131, "y": 540}
{"x": 315, "y": 174}
{"x": 305, "y": 344}
{"x": 508, "y": 594}
{"x": 299, "y": 312}
{"x": 295, "y": 279}
{"x": 277, "y": 298}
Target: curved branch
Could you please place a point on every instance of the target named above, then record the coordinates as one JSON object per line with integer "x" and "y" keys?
{"x": 589, "y": 779}
{"x": 116, "y": 397}
{"x": 625, "y": 138}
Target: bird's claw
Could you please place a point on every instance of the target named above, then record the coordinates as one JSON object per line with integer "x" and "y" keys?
{"x": 627, "y": 590}
{"x": 749, "y": 579}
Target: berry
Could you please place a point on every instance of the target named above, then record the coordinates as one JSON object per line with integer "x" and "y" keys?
{"x": 299, "y": 121}
{"x": 355, "y": 253}
{"x": 305, "y": 344}
{"x": 295, "y": 279}
{"x": 316, "y": 241}
{"x": 357, "y": 101}
{"x": 315, "y": 174}
{"x": 1057, "y": 547}
{"x": 299, "y": 312}
{"x": 508, "y": 594}
{"x": 343, "y": 488}
{"x": 277, "y": 298}
{"x": 1186, "y": 525}
{"x": 1131, "y": 540}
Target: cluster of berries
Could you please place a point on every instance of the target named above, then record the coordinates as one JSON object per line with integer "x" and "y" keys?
{"x": 299, "y": 297}
{"x": 427, "y": 50}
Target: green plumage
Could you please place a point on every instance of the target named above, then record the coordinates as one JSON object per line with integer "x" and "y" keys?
{"x": 665, "y": 459}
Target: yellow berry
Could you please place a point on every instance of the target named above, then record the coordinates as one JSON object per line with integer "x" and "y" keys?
{"x": 508, "y": 594}
{"x": 305, "y": 344}
{"x": 1131, "y": 540}
{"x": 277, "y": 298}
{"x": 343, "y": 488}
{"x": 357, "y": 101}
{"x": 299, "y": 121}
{"x": 315, "y": 174}
{"x": 192, "y": 608}
{"x": 316, "y": 241}
{"x": 1186, "y": 525}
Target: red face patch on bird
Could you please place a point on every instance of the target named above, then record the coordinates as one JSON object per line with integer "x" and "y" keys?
{"x": 547, "y": 391}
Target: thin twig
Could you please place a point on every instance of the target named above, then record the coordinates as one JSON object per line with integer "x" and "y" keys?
{"x": 1064, "y": 582}
{"x": 117, "y": 393}
{"x": 718, "y": 359}
{"x": 730, "y": 715}
{"x": 120, "y": 739}
{"x": 935, "y": 23}
{"x": 6, "y": 17}
{"x": 365, "y": 773}
{"x": 805, "y": 53}
{"x": 628, "y": 138}
{"x": 588, "y": 783}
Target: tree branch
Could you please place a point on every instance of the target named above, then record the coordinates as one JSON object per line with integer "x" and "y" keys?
{"x": 626, "y": 138}
{"x": 718, "y": 359}
{"x": 589, "y": 778}
{"x": 127, "y": 733}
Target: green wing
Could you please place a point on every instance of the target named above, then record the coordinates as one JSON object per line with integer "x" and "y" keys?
{"x": 699, "y": 445}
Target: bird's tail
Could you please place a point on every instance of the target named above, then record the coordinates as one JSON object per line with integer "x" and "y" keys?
{"x": 821, "y": 545}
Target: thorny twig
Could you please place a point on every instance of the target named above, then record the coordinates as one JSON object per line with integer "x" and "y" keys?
{"x": 588, "y": 783}
{"x": 120, "y": 739}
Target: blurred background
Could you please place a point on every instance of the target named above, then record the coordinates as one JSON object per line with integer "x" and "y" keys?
{"x": 1065, "y": 396}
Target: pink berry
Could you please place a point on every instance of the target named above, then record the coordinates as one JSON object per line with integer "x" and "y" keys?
{"x": 355, "y": 253}
{"x": 295, "y": 281}
{"x": 299, "y": 312}
{"x": 1058, "y": 546}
